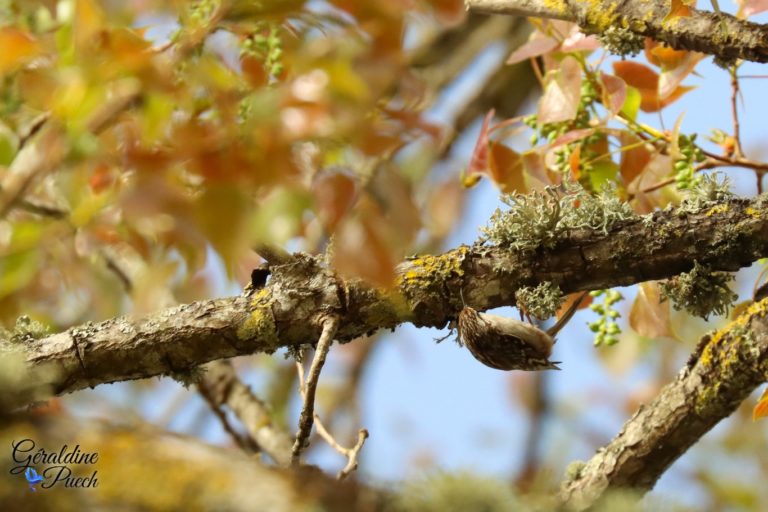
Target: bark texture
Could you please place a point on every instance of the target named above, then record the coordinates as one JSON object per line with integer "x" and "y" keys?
{"x": 289, "y": 310}
{"x": 725, "y": 369}
{"x": 724, "y": 36}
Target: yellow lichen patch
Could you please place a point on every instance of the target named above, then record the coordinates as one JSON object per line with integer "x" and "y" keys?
{"x": 391, "y": 309}
{"x": 720, "y": 208}
{"x": 752, "y": 212}
{"x": 557, "y": 6}
{"x": 757, "y": 309}
{"x": 430, "y": 269}
{"x": 260, "y": 324}
{"x": 601, "y": 16}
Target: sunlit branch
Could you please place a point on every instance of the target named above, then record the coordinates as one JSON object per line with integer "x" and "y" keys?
{"x": 308, "y": 389}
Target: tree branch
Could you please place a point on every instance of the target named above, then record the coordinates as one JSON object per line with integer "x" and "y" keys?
{"x": 724, "y": 36}
{"x": 308, "y": 389}
{"x": 726, "y": 367}
{"x": 222, "y": 384}
{"x": 140, "y": 467}
{"x": 289, "y": 309}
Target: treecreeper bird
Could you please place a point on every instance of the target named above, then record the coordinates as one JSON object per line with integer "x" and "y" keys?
{"x": 506, "y": 344}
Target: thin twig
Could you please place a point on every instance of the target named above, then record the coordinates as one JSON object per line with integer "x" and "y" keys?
{"x": 350, "y": 453}
{"x": 735, "y": 113}
{"x": 273, "y": 254}
{"x": 330, "y": 325}
{"x": 244, "y": 442}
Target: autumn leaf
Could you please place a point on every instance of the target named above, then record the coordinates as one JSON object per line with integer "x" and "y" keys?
{"x": 506, "y": 169}
{"x": 335, "y": 194}
{"x": 679, "y": 8}
{"x": 614, "y": 92}
{"x": 752, "y": 7}
{"x": 362, "y": 250}
{"x": 570, "y": 299}
{"x": 649, "y": 316}
{"x": 635, "y": 156}
{"x": 478, "y": 162}
{"x": 537, "y": 46}
{"x": 646, "y": 81}
{"x": 675, "y": 65}
{"x": 444, "y": 207}
{"x": 761, "y": 408}
{"x": 18, "y": 47}
{"x": 562, "y": 93}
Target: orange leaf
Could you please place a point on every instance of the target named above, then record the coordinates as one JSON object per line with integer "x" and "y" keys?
{"x": 678, "y": 9}
{"x": 662, "y": 55}
{"x": 101, "y": 178}
{"x": 18, "y": 47}
{"x": 761, "y": 408}
{"x": 506, "y": 169}
{"x": 574, "y": 162}
{"x": 89, "y": 20}
{"x": 570, "y": 299}
{"x": 634, "y": 159}
{"x": 649, "y": 317}
{"x": 646, "y": 81}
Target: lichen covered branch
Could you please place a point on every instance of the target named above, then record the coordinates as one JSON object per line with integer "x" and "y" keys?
{"x": 724, "y": 236}
{"x": 723, "y": 35}
{"x": 727, "y": 366}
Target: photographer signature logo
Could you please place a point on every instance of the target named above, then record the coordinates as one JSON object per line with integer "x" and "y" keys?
{"x": 32, "y": 478}
{"x": 57, "y": 466}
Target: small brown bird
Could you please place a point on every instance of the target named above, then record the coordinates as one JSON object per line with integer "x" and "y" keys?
{"x": 506, "y": 344}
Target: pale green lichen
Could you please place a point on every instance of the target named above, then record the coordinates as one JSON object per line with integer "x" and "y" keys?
{"x": 541, "y": 301}
{"x": 621, "y": 41}
{"x": 701, "y": 292}
{"x": 26, "y": 330}
{"x": 539, "y": 219}
{"x": 705, "y": 192}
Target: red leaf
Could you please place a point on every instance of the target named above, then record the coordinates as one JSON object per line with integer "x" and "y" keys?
{"x": 478, "y": 163}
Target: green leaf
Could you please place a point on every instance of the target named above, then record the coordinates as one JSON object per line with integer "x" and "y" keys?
{"x": 631, "y": 103}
